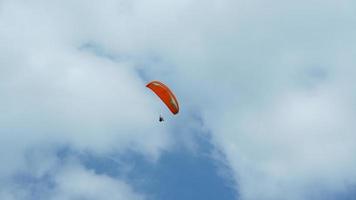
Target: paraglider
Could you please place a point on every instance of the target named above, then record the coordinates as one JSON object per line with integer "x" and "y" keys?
{"x": 166, "y": 95}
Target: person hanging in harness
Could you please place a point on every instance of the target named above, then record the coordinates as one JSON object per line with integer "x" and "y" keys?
{"x": 161, "y": 119}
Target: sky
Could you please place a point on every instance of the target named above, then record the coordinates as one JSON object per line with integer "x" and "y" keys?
{"x": 266, "y": 90}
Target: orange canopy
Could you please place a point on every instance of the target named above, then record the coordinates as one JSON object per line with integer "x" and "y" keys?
{"x": 165, "y": 94}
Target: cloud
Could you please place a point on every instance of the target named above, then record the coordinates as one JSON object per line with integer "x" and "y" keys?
{"x": 272, "y": 82}
{"x": 296, "y": 146}
{"x": 273, "y": 85}
{"x": 280, "y": 103}
{"x": 74, "y": 182}
{"x": 54, "y": 93}
{"x": 68, "y": 180}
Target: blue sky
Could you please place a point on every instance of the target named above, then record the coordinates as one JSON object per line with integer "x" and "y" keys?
{"x": 266, "y": 91}
{"x": 176, "y": 175}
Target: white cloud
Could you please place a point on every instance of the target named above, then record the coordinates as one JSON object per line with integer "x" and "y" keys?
{"x": 55, "y": 93}
{"x": 273, "y": 80}
{"x": 301, "y": 143}
{"x": 68, "y": 180}
{"x": 74, "y": 182}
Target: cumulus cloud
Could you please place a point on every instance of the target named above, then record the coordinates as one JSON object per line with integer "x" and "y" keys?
{"x": 74, "y": 182}
{"x": 300, "y": 144}
{"x": 272, "y": 80}
{"x": 55, "y": 92}
{"x": 68, "y": 180}
{"x": 273, "y": 84}
{"x": 283, "y": 111}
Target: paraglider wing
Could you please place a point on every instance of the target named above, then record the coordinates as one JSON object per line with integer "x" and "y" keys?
{"x": 165, "y": 94}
